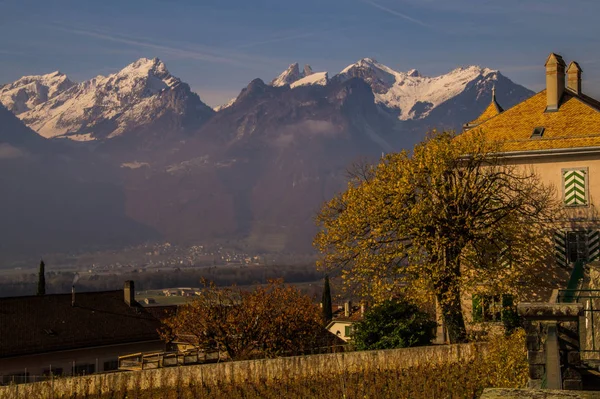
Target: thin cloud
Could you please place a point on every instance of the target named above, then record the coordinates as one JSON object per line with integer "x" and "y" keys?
{"x": 175, "y": 49}
{"x": 280, "y": 38}
{"x": 397, "y": 13}
{"x": 202, "y": 56}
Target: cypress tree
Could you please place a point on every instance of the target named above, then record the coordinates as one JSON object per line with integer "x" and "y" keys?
{"x": 41, "y": 289}
{"x": 326, "y": 301}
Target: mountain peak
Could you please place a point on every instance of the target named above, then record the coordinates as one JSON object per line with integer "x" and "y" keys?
{"x": 29, "y": 91}
{"x": 368, "y": 60}
{"x": 289, "y": 76}
{"x": 152, "y": 66}
{"x": 473, "y": 69}
{"x": 107, "y": 106}
{"x": 412, "y": 95}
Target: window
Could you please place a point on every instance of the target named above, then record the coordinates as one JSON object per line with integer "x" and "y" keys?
{"x": 84, "y": 369}
{"x": 111, "y": 365}
{"x": 577, "y": 248}
{"x": 347, "y": 331}
{"x": 491, "y": 307}
{"x": 17, "y": 378}
{"x": 53, "y": 371}
{"x": 575, "y": 186}
{"x": 537, "y": 132}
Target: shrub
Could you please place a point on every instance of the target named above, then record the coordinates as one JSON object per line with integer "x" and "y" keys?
{"x": 393, "y": 324}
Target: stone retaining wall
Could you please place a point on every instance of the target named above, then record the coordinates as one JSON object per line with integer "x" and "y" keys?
{"x": 251, "y": 371}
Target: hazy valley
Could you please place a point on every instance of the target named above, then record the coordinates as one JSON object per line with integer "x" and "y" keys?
{"x": 136, "y": 157}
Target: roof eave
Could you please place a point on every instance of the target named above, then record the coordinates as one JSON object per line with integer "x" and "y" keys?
{"x": 550, "y": 152}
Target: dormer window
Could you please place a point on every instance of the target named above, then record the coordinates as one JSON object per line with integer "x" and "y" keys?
{"x": 537, "y": 132}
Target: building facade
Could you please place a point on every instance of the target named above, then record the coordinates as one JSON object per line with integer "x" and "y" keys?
{"x": 72, "y": 334}
{"x": 556, "y": 132}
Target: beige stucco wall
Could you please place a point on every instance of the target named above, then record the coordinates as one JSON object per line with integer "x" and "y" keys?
{"x": 36, "y": 364}
{"x": 341, "y": 327}
{"x": 549, "y": 169}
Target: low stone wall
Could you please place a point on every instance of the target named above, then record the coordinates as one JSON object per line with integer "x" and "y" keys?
{"x": 507, "y": 393}
{"x": 251, "y": 371}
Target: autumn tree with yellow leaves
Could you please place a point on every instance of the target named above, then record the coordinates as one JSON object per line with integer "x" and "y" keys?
{"x": 443, "y": 220}
{"x": 268, "y": 321}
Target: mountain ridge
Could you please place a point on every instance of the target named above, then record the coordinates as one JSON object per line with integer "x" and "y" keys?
{"x": 105, "y": 107}
{"x": 252, "y": 174}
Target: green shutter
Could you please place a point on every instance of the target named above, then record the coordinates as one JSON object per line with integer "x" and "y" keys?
{"x": 574, "y": 183}
{"x": 477, "y": 308}
{"x": 507, "y": 306}
{"x": 510, "y": 318}
{"x": 560, "y": 248}
{"x": 348, "y": 331}
{"x": 593, "y": 243}
{"x": 504, "y": 257}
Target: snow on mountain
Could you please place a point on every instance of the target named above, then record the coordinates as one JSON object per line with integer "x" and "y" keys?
{"x": 317, "y": 78}
{"x": 412, "y": 95}
{"x": 292, "y": 76}
{"x": 226, "y": 105}
{"x": 106, "y": 107}
{"x": 288, "y": 76}
{"x": 30, "y": 91}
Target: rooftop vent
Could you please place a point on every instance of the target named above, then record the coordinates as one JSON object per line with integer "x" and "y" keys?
{"x": 537, "y": 132}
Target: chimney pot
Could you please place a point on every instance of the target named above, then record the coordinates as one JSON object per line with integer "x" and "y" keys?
{"x": 129, "y": 293}
{"x": 347, "y": 308}
{"x": 574, "y": 77}
{"x": 555, "y": 81}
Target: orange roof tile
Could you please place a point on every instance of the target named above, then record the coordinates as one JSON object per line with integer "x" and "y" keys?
{"x": 491, "y": 111}
{"x": 575, "y": 124}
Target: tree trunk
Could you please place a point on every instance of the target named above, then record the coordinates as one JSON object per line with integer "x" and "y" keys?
{"x": 452, "y": 316}
{"x": 448, "y": 296}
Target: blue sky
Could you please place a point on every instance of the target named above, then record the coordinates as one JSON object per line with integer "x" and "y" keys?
{"x": 219, "y": 46}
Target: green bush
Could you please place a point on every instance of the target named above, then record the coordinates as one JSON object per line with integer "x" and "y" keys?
{"x": 393, "y": 324}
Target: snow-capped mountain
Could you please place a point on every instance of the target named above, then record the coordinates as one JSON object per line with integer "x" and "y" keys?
{"x": 316, "y": 78}
{"x": 134, "y": 98}
{"x": 30, "y": 91}
{"x": 254, "y": 172}
{"x": 406, "y": 95}
{"x": 409, "y": 94}
{"x": 294, "y": 77}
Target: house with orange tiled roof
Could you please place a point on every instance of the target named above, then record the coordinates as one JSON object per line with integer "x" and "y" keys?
{"x": 344, "y": 318}
{"x": 557, "y": 133}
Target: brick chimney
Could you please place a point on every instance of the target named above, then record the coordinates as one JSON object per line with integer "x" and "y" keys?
{"x": 129, "y": 293}
{"x": 574, "y": 77}
{"x": 555, "y": 81}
